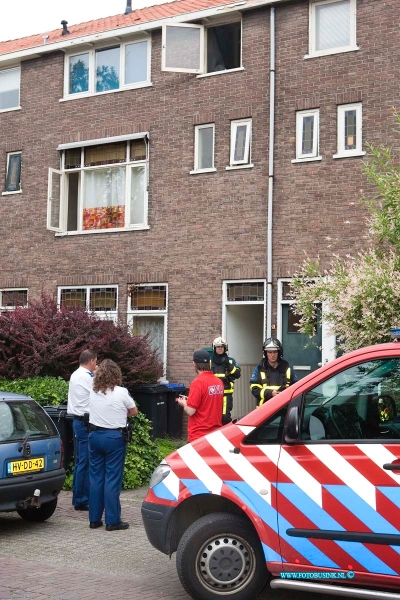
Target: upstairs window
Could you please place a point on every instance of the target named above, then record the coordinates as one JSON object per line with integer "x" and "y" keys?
{"x": 202, "y": 49}
{"x": 204, "y": 148}
{"x": 103, "y": 301}
{"x": 332, "y": 26}
{"x": 13, "y": 172}
{"x": 99, "y": 187}
{"x": 9, "y": 88}
{"x": 349, "y": 130}
{"x": 108, "y": 69}
{"x": 240, "y": 142}
{"x": 307, "y": 134}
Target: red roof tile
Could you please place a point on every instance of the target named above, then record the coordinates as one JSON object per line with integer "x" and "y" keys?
{"x": 144, "y": 15}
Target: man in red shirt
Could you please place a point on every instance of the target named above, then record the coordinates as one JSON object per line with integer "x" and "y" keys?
{"x": 204, "y": 403}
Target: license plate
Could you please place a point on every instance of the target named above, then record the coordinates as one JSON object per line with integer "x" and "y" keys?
{"x": 17, "y": 467}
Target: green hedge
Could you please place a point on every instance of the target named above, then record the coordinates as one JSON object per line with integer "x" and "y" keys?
{"x": 143, "y": 454}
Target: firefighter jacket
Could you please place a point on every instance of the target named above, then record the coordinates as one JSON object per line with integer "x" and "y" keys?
{"x": 226, "y": 368}
{"x": 265, "y": 379}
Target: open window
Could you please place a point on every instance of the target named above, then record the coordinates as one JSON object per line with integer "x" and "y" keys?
{"x": 202, "y": 49}
{"x": 240, "y": 142}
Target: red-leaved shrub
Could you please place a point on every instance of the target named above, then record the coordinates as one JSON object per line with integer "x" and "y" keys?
{"x": 43, "y": 339}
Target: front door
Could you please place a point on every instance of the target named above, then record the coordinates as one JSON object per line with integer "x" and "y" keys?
{"x": 303, "y": 353}
{"x": 338, "y": 490}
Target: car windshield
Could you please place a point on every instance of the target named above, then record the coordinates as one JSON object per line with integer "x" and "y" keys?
{"x": 23, "y": 419}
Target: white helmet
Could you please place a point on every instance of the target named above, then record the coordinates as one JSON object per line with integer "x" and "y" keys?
{"x": 219, "y": 341}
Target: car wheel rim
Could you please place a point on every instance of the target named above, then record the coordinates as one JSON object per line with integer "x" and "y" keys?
{"x": 225, "y": 563}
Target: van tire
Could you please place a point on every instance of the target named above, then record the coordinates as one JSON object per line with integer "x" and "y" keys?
{"x": 220, "y": 556}
{"x": 40, "y": 514}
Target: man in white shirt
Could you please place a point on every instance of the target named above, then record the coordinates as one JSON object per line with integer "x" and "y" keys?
{"x": 80, "y": 386}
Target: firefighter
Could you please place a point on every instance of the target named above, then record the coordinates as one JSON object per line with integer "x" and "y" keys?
{"x": 273, "y": 374}
{"x": 226, "y": 368}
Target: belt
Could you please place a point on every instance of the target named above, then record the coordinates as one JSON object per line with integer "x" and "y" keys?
{"x": 97, "y": 428}
{"x": 79, "y": 417}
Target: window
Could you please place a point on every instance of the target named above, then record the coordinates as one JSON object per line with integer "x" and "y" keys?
{"x": 252, "y": 291}
{"x": 13, "y": 172}
{"x": 100, "y": 187}
{"x": 332, "y": 26}
{"x": 307, "y": 135}
{"x": 147, "y": 313}
{"x": 240, "y": 142}
{"x": 108, "y": 69}
{"x": 103, "y": 301}
{"x": 349, "y": 130}
{"x": 9, "y": 88}
{"x": 202, "y": 50}
{"x": 361, "y": 402}
{"x": 10, "y": 299}
{"x": 204, "y": 148}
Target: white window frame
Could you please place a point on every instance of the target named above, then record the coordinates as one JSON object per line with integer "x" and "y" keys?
{"x": 225, "y": 302}
{"x": 18, "y": 106}
{"x": 61, "y": 227}
{"x": 341, "y": 111}
{"x": 300, "y": 116}
{"x": 246, "y": 162}
{"x": 92, "y": 69}
{"x": 197, "y": 169}
{"x": 106, "y": 315}
{"x": 313, "y": 33}
{"x": 19, "y": 190}
{"x": 11, "y": 308}
{"x": 201, "y": 62}
{"x": 131, "y": 313}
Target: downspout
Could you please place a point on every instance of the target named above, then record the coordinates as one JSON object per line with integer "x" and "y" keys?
{"x": 270, "y": 168}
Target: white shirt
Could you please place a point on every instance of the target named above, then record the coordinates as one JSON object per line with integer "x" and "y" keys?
{"x": 109, "y": 410}
{"x": 80, "y": 386}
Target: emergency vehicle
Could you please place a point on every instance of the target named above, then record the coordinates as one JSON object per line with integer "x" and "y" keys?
{"x": 303, "y": 491}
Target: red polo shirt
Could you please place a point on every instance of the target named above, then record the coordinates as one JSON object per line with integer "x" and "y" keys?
{"x": 206, "y": 395}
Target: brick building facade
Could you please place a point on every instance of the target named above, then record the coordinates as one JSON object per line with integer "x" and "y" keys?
{"x": 165, "y": 178}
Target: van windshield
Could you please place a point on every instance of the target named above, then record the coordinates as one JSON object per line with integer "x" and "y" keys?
{"x": 24, "y": 419}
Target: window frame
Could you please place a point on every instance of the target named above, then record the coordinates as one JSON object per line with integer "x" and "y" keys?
{"x": 12, "y": 308}
{"x": 132, "y": 313}
{"x": 341, "y": 111}
{"x": 313, "y": 52}
{"x": 61, "y": 227}
{"x": 101, "y": 314}
{"x": 196, "y": 168}
{"x": 8, "y": 182}
{"x": 18, "y": 106}
{"x": 246, "y": 162}
{"x": 300, "y": 115}
{"x": 92, "y": 68}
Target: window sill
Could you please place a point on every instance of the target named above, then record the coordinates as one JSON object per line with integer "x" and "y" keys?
{"x": 352, "y": 154}
{"x": 303, "y": 160}
{"x": 90, "y": 231}
{"x": 93, "y": 95}
{"x": 236, "y": 167}
{"x": 11, "y": 193}
{"x": 200, "y": 171}
{"x": 219, "y": 72}
{"x": 4, "y": 110}
{"x": 331, "y": 51}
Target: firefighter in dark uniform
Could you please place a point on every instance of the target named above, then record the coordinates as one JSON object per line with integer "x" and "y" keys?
{"x": 226, "y": 368}
{"x": 273, "y": 374}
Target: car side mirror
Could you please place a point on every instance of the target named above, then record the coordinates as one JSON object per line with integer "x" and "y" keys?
{"x": 292, "y": 427}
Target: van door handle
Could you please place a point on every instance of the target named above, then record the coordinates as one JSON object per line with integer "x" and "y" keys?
{"x": 394, "y": 466}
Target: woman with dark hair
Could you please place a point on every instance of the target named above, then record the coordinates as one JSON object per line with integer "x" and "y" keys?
{"x": 110, "y": 405}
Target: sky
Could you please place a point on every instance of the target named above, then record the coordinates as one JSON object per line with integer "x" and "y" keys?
{"x": 20, "y": 18}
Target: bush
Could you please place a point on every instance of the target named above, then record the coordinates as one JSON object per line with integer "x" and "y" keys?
{"x": 51, "y": 391}
{"x": 46, "y": 340}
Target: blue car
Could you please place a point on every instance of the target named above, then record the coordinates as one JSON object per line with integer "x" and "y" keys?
{"x": 31, "y": 459}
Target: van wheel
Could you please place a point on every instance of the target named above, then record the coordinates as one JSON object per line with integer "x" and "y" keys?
{"x": 40, "y": 514}
{"x": 220, "y": 556}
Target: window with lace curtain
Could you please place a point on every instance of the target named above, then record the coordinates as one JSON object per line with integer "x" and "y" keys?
{"x": 147, "y": 314}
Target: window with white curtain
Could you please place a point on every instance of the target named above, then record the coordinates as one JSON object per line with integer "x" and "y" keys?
{"x": 147, "y": 314}
{"x": 9, "y": 88}
{"x": 332, "y": 26}
{"x": 204, "y": 148}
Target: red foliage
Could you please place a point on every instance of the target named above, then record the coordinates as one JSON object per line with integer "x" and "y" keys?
{"x": 44, "y": 340}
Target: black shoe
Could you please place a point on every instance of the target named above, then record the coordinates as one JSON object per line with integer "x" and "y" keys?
{"x": 95, "y": 524}
{"x": 81, "y": 507}
{"x": 117, "y": 526}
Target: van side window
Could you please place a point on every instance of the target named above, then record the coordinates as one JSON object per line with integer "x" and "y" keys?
{"x": 271, "y": 431}
{"x": 359, "y": 403}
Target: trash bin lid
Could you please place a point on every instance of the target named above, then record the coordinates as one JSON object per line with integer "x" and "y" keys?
{"x": 175, "y": 386}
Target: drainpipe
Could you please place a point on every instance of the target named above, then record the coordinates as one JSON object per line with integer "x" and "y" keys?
{"x": 270, "y": 168}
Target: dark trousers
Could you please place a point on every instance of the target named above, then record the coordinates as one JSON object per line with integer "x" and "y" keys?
{"x": 107, "y": 456}
{"x": 227, "y": 408}
{"x": 80, "y": 484}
